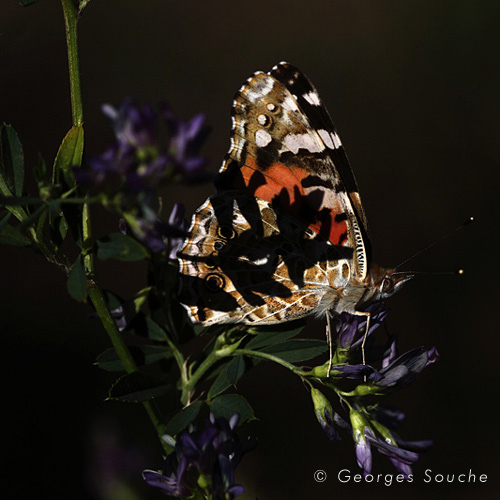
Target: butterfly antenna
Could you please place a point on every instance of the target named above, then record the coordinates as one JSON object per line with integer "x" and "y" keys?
{"x": 460, "y": 272}
{"x": 433, "y": 244}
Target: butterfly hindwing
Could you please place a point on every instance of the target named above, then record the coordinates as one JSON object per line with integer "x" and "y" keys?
{"x": 254, "y": 264}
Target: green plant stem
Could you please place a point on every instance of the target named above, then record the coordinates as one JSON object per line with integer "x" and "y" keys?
{"x": 179, "y": 359}
{"x": 215, "y": 356}
{"x": 188, "y": 387}
{"x": 71, "y": 22}
{"x": 270, "y": 357}
{"x": 95, "y": 293}
{"x": 99, "y": 302}
{"x": 123, "y": 352}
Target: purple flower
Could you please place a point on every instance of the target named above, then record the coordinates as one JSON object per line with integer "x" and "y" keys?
{"x": 403, "y": 370}
{"x": 135, "y": 164}
{"x": 400, "y": 372}
{"x": 390, "y": 353}
{"x": 177, "y": 229}
{"x": 350, "y": 328}
{"x": 401, "y": 453}
{"x": 158, "y": 236}
{"x": 151, "y": 234}
{"x": 394, "y": 373}
{"x": 203, "y": 456}
{"x": 134, "y": 126}
{"x": 140, "y": 160}
{"x": 363, "y": 452}
{"x": 367, "y": 433}
{"x": 186, "y": 139}
{"x": 356, "y": 372}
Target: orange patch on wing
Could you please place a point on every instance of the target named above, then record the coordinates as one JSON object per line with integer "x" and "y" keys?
{"x": 276, "y": 183}
{"x": 282, "y": 185}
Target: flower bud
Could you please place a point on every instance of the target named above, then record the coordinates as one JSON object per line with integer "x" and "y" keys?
{"x": 363, "y": 449}
{"x": 324, "y": 413}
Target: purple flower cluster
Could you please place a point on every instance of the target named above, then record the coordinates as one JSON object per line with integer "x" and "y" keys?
{"x": 373, "y": 425}
{"x": 138, "y": 160}
{"x": 129, "y": 172}
{"x": 395, "y": 371}
{"x": 204, "y": 459}
{"x": 401, "y": 453}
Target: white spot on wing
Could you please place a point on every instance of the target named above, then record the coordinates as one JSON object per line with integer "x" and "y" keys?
{"x": 294, "y": 142}
{"x": 258, "y": 88}
{"x": 262, "y": 138}
{"x": 312, "y": 98}
{"x": 262, "y": 261}
{"x": 326, "y": 137}
{"x": 290, "y": 104}
{"x": 262, "y": 119}
{"x": 271, "y": 106}
{"x": 336, "y": 140}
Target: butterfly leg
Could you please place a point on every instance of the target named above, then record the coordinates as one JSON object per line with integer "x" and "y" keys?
{"x": 329, "y": 339}
{"x": 365, "y": 336}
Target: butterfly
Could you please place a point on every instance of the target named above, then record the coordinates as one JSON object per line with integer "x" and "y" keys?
{"x": 285, "y": 235}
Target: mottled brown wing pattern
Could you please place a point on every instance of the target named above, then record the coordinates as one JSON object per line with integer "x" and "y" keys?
{"x": 253, "y": 264}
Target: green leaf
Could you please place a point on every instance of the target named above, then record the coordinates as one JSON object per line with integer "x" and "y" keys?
{"x": 69, "y": 156}
{"x": 228, "y": 377}
{"x": 82, "y": 4}
{"x": 229, "y": 404}
{"x": 4, "y": 220}
{"x": 137, "y": 387}
{"x": 142, "y": 354}
{"x": 266, "y": 338}
{"x": 11, "y": 160}
{"x": 297, "y": 350}
{"x": 121, "y": 247}
{"x": 77, "y": 281}
{"x": 113, "y": 301}
{"x": 63, "y": 227}
{"x": 58, "y": 229}
{"x": 33, "y": 217}
{"x": 182, "y": 419}
{"x": 11, "y": 236}
{"x": 25, "y": 3}
{"x": 155, "y": 331}
{"x": 39, "y": 226}
{"x": 140, "y": 298}
{"x": 40, "y": 170}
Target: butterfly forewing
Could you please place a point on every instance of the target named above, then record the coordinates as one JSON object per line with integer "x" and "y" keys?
{"x": 279, "y": 156}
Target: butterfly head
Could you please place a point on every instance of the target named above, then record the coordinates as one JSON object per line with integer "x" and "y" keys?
{"x": 386, "y": 282}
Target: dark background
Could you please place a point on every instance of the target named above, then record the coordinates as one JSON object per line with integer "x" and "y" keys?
{"x": 413, "y": 88}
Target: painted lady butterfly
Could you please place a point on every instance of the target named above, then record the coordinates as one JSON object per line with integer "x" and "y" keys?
{"x": 285, "y": 234}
